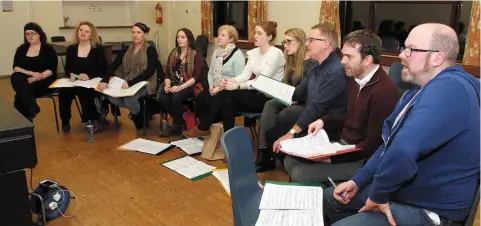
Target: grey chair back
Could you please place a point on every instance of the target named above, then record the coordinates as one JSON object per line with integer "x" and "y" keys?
{"x": 245, "y": 191}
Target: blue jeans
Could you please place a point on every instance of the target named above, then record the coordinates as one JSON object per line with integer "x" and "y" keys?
{"x": 131, "y": 102}
{"x": 339, "y": 214}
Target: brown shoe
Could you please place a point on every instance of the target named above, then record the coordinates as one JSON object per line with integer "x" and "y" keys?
{"x": 196, "y": 132}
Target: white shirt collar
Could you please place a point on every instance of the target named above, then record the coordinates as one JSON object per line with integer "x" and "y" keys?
{"x": 365, "y": 80}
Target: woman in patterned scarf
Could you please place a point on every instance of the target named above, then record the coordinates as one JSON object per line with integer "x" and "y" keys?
{"x": 226, "y": 62}
{"x": 183, "y": 80}
{"x": 137, "y": 62}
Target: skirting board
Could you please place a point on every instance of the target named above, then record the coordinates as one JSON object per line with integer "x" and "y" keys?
{"x": 4, "y": 76}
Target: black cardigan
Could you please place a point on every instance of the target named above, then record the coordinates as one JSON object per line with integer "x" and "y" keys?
{"x": 96, "y": 60}
{"x": 152, "y": 62}
{"x": 46, "y": 59}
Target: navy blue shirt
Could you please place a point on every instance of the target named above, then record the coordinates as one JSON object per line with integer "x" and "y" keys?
{"x": 325, "y": 91}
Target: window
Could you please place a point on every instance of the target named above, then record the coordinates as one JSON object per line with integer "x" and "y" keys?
{"x": 233, "y": 13}
{"x": 392, "y": 20}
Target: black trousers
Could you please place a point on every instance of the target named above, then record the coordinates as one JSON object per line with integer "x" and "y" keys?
{"x": 172, "y": 103}
{"x": 236, "y": 101}
{"x": 26, "y": 94}
{"x": 208, "y": 108}
{"x": 86, "y": 97}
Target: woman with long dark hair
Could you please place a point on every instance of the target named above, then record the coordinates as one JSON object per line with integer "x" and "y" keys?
{"x": 35, "y": 69}
{"x": 183, "y": 80}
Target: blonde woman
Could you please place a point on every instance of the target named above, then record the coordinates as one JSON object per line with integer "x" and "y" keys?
{"x": 274, "y": 112}
{"x": 85, "y": 59}
{"x": 226, "y": 62}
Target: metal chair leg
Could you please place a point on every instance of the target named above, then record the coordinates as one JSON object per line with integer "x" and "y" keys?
{"x": 255, "y": 129}
{"x": 42, "y": 206}
{"x": 78, "y": 108}
{"x": 116, "y": 119}
{"x": 253, "y": 132}
{"x": 145, "y": 117}
{"x": 63, "y": 63}
{"x": 55, "y": 112}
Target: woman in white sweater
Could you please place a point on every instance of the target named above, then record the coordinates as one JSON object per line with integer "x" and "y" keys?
{"x": 266, "y": 60}
{"x": 226, "y": 62}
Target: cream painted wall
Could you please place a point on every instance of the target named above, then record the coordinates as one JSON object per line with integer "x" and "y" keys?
{"x": 9, "y": 41}
{"x": 302, "y": 14}
{"x": 176, "y": 14}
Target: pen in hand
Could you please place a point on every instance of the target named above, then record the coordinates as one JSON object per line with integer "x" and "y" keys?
{"x": 334, "y": 185}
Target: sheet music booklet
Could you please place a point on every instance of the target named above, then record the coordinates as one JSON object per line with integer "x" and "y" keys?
{"x": 280, "y": 91}
{"x": 189, "y": 167}
{"x": 114, "y": 88}
{"x": 315, "y": 147}
{"x": 66, "y": 83}
{"x": 301, "y": 204}
{"x": 146, "y": 146}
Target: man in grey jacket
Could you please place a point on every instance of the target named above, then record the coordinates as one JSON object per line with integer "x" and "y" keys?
{"x": 324, "y": 92}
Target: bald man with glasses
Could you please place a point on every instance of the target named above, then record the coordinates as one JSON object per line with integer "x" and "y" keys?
{"x": 427, "y": 170}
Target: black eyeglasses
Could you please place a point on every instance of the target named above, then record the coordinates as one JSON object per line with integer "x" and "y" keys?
{"x": 288, "y": 41}
{"x": 30, "y": 33}
{"x": 315, "y": 39}
{"x": 408, "y": 51}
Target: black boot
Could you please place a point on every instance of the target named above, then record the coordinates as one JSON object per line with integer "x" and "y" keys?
{"x": 138, "y": 120}
{"x": 265, "y": 160}
{"x": 176, "y": 130}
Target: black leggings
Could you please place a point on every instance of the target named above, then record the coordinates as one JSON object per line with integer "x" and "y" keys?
{"x": 26, "y": 94}
{"x": 172, "y": 103}
{"x": 237, "y": 101}
{"x": 86, "y": 97}
{"x": 208, "y": 108}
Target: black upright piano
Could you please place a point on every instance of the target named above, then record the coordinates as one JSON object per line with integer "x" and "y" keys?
{"x": 17, "y": 153}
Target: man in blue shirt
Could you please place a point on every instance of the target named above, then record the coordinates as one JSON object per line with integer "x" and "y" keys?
{"x": 427, "y": 170}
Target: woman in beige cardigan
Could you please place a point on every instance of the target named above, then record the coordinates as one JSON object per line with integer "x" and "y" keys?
{"x": 136, "y": 63}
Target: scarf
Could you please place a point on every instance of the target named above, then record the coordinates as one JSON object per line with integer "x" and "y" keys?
{"x": 134, "y": 64}
{"x": 178, "y": 72}
{"x": 220, "y": 55}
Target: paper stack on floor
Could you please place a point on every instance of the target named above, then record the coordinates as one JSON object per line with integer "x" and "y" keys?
{"x": 223, "y": 176}
{"x": 191, "y": 146}
{"x": 189, "y": 167}
{"x": 146, "y": 146}
{"x": 299, "y": 205}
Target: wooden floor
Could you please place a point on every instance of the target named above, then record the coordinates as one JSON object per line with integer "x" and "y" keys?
{"x": 121, "y": 187}
{"x": 124, "y": 188}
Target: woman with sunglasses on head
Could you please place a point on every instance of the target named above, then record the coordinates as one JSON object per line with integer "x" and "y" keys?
{"x": 226, "y": 62}
{"x": 183, "y": 80}
{"x": 298, "y": 66}
{"x": 136, "y": 63}
{"x": 85, "y": 59}
{"x": 35, "y": 69}
{"x": 266, "y": 60}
